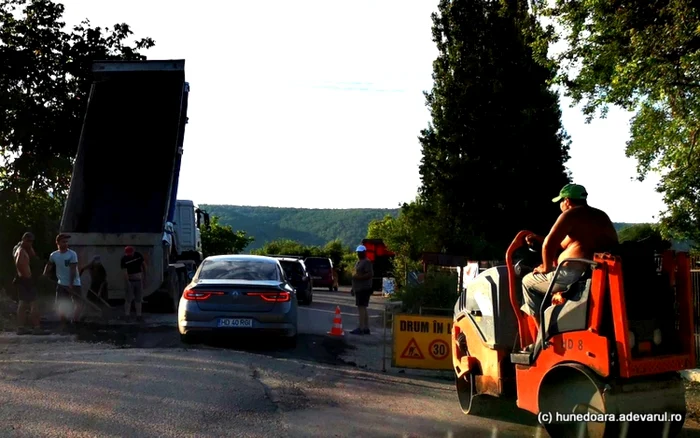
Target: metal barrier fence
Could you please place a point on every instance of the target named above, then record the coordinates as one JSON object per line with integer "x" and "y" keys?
{"x": 695, "y": 278}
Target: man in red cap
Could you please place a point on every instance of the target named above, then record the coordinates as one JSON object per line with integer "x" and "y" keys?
{"x": 134, "y": 269}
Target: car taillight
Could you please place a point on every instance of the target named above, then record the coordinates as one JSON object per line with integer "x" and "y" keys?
{"x": 272, "y": 297}
{"x": 199, "y": 295}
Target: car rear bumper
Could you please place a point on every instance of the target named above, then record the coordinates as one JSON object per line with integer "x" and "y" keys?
{"x": 322, "y": 282}
{"x": 191, "y": 319}
{"x": 279, "y": 329}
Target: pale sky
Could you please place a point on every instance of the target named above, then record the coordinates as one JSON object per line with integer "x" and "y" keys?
{"x": 292, "y": 104}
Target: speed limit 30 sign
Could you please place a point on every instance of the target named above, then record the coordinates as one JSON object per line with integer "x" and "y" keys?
{"x": 439, "y": 349}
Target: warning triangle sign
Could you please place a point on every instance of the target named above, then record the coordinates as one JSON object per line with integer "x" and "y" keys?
{"x": 412, "y": 351}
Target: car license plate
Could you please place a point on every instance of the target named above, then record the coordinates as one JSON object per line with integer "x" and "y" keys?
{"x": 235, "y": 322}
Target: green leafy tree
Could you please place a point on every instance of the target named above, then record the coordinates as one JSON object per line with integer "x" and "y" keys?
{"x": 342, "y": 257}
{"x": 288, "y": 247}
{"x": 637, "y": 232}
{"x": 643, "y": 57}
{"x": 335, "y": 251}
{"x": 222, "y": 239}
{"x": 408, "y": 236}
{"x": 647, "y": 233}
{"x": 494, "y": 153}
{"x": 45, "y": 79}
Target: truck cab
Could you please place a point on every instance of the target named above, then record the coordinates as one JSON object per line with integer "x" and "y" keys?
{"x": 188, "y": 222}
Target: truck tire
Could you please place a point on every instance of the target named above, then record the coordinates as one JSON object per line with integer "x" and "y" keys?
{"x": 173, "y": 285}
{"x": 182, "y": 277}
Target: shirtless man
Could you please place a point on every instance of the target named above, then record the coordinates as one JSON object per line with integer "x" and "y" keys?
{"x": 26, "y": 291}
{"x": 579, "y": 232}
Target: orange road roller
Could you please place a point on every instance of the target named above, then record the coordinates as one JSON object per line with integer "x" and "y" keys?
{"x": 604, "y": 362}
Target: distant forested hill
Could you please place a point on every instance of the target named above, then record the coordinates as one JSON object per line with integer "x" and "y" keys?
{"x": 621, "y": 225}
{"x": 308, "y": 226}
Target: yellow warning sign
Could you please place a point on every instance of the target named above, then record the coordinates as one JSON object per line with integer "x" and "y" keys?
{"x": 412, "y": 351}
{"x": 422, "y": 342}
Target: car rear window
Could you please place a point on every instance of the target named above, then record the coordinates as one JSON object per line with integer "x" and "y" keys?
{"x": 238, "y": 270}
{"x": 318, "y": 263}
{"x": 292, "y": 269}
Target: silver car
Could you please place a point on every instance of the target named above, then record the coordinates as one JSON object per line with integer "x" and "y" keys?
{"x": 239, "y": 295}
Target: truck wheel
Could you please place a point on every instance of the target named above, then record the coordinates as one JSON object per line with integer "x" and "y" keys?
{"x": 181, "y": 284}
{"x": 290, "y": 342}
{"x": 173, "y": 284}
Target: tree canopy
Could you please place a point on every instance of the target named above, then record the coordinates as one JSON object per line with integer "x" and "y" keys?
{"x": 333, "y": 249}
{"x": 494, "y": 153}
{"x": 220, "y": 239}
{"x": 643, "y": 57}
{"x": 45, "y": 80}
{"x": 342, "y": 256}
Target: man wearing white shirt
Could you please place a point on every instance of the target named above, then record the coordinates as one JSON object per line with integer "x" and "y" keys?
{"x": 65, "y": 263}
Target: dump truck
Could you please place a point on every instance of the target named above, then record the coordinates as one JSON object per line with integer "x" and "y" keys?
{"x": 124, "y": 184}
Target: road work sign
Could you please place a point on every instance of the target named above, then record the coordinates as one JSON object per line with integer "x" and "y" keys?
{"x": 422, "y": 342}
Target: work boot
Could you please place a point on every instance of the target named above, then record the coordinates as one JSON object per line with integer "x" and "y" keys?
{"x": 23, "y": 331}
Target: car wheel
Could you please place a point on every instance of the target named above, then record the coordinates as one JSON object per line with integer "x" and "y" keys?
{"x": 330, "y": 288}
{"x": 335, "y": 289}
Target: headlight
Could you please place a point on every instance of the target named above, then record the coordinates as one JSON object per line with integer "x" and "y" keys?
{"x": 631, "y": 339}
{"x": 657, "y": 336}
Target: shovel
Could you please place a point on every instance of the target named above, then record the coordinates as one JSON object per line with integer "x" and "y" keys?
{"x": 106, "y": 311}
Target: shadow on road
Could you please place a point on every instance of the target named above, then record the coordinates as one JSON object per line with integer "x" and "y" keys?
{"x": 316, "y": 348}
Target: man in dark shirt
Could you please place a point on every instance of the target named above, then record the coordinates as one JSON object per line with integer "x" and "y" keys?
{"x": 134, "y": 269}
{"x": 362, "y": 277}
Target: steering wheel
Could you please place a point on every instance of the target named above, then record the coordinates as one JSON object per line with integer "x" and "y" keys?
{"x": 527, "y": 260}
{"x": 535, "y": 246}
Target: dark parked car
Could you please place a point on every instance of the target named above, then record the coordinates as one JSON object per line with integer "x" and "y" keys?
{"x": 238, "y": 295}
{"x": 321, "y": 270}
{"x": 298, "y": 276}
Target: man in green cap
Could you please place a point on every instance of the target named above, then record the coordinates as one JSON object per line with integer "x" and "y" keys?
{"x": 579, "y": 232}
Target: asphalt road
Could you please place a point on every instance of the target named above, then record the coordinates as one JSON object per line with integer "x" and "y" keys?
{"x": 144, "y": 383}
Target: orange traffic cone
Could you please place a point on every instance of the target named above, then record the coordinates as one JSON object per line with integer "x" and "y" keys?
{"x": 337, "y": 329}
